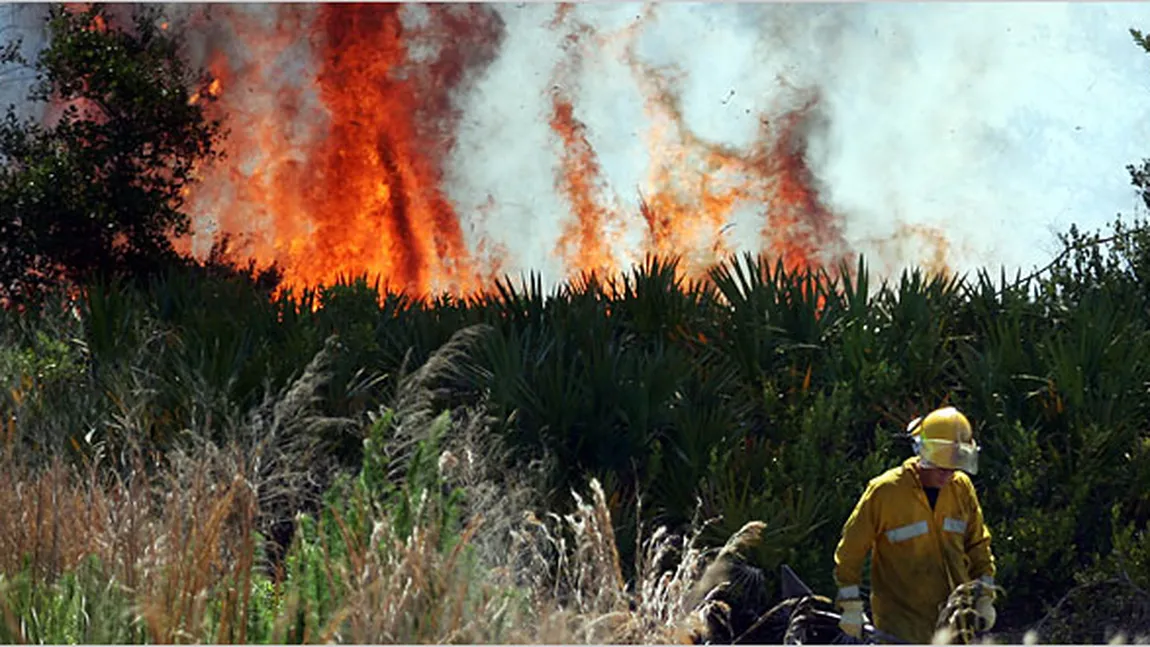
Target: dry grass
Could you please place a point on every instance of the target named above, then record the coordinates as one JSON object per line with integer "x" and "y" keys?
{"x": 179, "y": 545}
{"x": 169, "y": 544}
{"x": 180, "y": 540}
{"x": 576, "y": 570}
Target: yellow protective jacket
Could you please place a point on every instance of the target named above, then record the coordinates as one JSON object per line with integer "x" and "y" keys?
{"x": 918, "y": 555}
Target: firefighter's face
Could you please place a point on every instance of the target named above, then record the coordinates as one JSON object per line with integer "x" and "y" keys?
{"x": 935, "y": 476}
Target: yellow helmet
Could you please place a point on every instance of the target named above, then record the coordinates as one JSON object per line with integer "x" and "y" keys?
{"x": 944, "y": 439}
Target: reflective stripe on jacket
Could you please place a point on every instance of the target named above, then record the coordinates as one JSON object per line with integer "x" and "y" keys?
{"x": 918, "y": 555}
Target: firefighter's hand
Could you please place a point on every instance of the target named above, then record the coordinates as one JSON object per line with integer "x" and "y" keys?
{"x": 986, "y": 613}
{"x": 851, "y": 620}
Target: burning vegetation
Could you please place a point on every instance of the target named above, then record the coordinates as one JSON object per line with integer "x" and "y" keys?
{"x": 342, "y": 118}
{"x": 533, "y": 478}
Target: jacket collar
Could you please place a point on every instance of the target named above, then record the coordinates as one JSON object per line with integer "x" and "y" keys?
{"x": 910, "y": 471}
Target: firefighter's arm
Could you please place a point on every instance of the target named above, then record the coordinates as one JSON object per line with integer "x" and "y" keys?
{"x": 981, "y": 562}
{"x": 857, "y": 539}
{"x": 978, "y": 544}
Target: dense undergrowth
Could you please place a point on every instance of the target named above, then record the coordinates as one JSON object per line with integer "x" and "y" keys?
{"x": 193, "y": 459}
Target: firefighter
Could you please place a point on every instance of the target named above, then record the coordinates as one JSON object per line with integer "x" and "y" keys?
{"x": 922, "y": 524}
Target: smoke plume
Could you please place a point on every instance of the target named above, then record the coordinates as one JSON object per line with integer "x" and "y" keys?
{"x": 439, "y": 146}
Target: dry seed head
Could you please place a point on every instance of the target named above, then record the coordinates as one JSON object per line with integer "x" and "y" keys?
{"x": 377, "y": 530}
{"x": 447, "y": 463}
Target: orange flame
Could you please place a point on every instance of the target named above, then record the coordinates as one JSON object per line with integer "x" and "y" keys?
{"x": 925, "y": 245}
{"x": 212, "y": 92}
{"x": 695, "y": 187}
{"x": 801, "y": 230}
{"x": 366, "y": 198}
{"x": 579, "y": 177}
{"x": 582, "y": 243}
{"x": 343, "y": 175}
{"x": 348, "y": 171}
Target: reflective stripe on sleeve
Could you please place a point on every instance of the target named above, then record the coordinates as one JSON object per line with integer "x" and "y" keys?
{"x": 849, "y": 592}
{"x": 907, "y": 532}
{"x": 954, "y": 525}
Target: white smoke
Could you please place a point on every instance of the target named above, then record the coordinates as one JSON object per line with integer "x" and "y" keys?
{"x": 501, "y": 176}
{"x": 998, "y": 125}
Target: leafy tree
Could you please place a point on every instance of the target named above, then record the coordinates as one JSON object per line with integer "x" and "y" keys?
{"x": 97, "y": 192}
{"x": 1141, "y": 174}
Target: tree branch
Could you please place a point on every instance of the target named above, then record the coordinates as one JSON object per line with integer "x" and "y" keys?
{"x": 1066, "y": 252}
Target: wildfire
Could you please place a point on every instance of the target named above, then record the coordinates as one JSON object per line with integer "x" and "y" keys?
{"x": 362, "y": 194}
{"x": 695, "y": 186}
{"x": 579, "y": 180}
{"x": 800, "y": 228}
{"x": 927, "y": 245}
{"x": 583, "y": 243}
{"x": 212, "y": 92}
{"x": 338, "y": 169}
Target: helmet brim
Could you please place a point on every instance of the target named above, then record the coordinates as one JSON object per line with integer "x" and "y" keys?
{"x": 950, "y": 455}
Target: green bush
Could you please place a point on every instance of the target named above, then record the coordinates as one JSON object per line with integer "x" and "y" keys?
{"x": 763, "y": 393}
